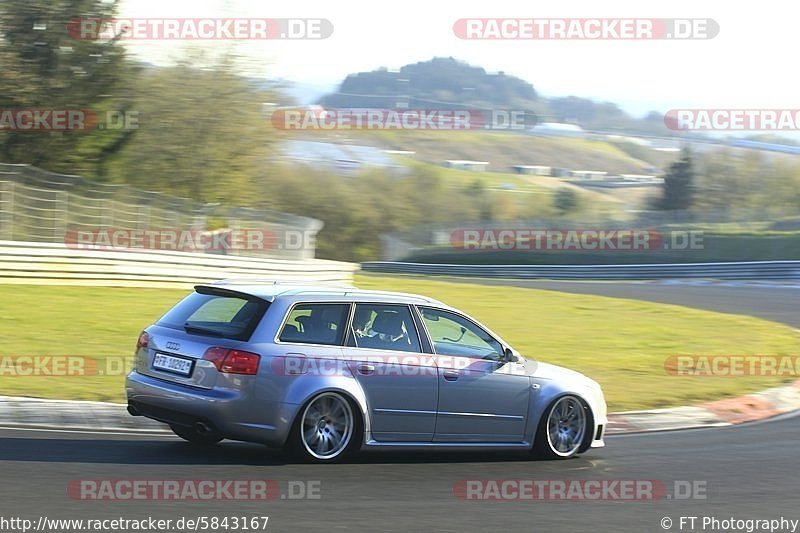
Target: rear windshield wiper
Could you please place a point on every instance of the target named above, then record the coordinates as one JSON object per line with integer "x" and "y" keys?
{"x": 191, "y": 328}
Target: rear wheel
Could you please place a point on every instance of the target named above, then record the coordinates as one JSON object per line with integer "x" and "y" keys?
{"x": 192, "y": 435}
{"x": 326, "y": 430}
{"x": 563, "y": 430}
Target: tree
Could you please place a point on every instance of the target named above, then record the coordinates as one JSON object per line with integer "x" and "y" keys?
{"x": 678, "y": 189}
{"x": 201, "y": 134}
{"x": 45, "y": 65}
{"x": 565, "y": 200}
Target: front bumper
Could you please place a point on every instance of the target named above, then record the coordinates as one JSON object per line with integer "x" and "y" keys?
{"x": 601, "y": 426}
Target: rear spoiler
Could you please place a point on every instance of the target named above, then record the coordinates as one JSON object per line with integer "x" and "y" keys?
{"x": 216, "y": 290}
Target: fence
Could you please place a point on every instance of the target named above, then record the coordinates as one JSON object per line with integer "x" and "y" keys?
{"x": 754, "y": 270}
{"x": 42, "y": 263}
{"x": 436, "y": 237}
{"x": 40, "y": 206}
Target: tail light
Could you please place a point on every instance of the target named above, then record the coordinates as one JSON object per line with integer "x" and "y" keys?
{"x": 239, "y": 362}
{"x": 233, "y": 361}
{"x": 216, "y": 355}
{"x": 143, "y": 341}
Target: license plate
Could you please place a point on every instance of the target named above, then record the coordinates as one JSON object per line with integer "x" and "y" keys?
{"x": 169, "y": 363}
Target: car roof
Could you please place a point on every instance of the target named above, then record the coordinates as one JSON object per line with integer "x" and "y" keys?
{"x": 271, "y": 290}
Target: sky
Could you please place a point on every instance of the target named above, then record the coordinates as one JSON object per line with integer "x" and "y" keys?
{"x": 749, "y": 64}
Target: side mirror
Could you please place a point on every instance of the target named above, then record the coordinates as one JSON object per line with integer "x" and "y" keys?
{"x": 508, "y": 355}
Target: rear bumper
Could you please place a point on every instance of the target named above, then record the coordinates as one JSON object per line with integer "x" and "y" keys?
{"x": 236, "y": 415}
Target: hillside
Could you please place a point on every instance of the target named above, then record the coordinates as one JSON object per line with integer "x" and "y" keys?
{"x": 503, "y": 150}
{"x": 440, "y": 83}
{"x": 446, "y": 83}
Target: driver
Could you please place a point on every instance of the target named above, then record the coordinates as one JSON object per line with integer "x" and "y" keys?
{"x": 362, "y": 323}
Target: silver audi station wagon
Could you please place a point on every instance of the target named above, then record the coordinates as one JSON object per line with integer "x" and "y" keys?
{"x": 324, "y": 371}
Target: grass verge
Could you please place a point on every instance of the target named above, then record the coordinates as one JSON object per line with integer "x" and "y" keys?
{"x": 623, "y": 344}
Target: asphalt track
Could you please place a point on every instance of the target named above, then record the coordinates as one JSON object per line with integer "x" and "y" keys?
{"x": 779, "y": 303}
{"x": 747, "y": 471}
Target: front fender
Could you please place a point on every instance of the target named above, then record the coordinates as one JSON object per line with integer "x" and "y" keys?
{"x": 550, "y": 390}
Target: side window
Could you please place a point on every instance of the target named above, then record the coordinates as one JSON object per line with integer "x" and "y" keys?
{"x": 384, "y": 327}
{"x": 316, "y": 324}
{"x": 453, "y": 334}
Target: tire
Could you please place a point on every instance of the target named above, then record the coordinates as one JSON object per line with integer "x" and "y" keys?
{"x": 326, "y": 430}
{"x": 564, "y": 430}
{"x": 191, "y": 435}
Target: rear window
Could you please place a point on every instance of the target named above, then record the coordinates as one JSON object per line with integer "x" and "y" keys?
{"x": 222, "y": 315}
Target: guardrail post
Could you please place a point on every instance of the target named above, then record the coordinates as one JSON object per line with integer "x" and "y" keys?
{"x": 60, "y": 214}
{"x": 7, "y": 210}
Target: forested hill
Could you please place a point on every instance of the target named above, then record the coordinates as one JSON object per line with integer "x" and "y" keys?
{"x": 436, "y": 84}
{"x": 445, "y": 83}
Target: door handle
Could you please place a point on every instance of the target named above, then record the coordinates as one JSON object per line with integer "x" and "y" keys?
{"x": 365, "y": 369}
{"x": 450, "y": 375}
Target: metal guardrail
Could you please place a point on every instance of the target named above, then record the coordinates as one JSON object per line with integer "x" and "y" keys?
{"x": 32, "y": 262}
{"x": 754, "y": 270}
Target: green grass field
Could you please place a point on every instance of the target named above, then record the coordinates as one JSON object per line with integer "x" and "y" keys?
{"x": 622, "y": 344}
{"x": 533, "y": 194}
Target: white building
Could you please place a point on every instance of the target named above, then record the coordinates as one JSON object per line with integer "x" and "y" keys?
{"x": 465, "y": 164}
{"x": 559, "y": 129}
{"x": 593, "y": 175}
{"x": 533, "y": 170}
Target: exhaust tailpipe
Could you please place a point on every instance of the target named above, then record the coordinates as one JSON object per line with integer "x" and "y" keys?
{"x": 133, "y": 410}
{"x": 202, "y": 428}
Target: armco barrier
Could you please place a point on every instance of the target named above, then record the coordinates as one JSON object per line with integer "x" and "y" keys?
{"x": 755, "y": 270}
{"x": 26, "y": 262}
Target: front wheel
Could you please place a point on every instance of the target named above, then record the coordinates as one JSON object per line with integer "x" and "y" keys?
{"x": 563, "y": 429}
{"x": 326, "y": 429}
